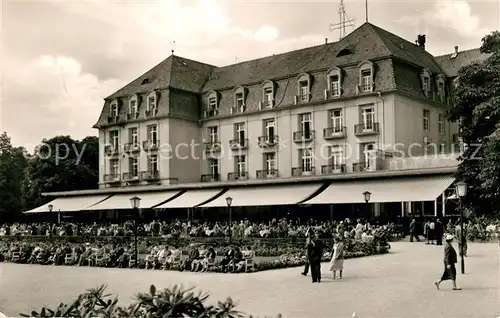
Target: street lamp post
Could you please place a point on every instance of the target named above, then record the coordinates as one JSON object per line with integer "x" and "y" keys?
{"x": 367, "y": 195}
{"x": 461, "y": 189}
{"x": 51, "y": 207}
{"x": 229, "y": 201}
{"x": 135, "y": 203}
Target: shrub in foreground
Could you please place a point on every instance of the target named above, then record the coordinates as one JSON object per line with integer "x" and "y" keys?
{"x": 170, "y": 302}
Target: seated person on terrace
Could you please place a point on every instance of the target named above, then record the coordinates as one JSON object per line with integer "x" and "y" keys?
{"x": 227, "y": 260}
{"x": 240, "y": 258}
{"x": 194, "y": 254}
{"x": 85, "y": 256}
{"x": 209, "y": 259}
{"x": 197, "y": 264}
{"x": 152, "y": 259}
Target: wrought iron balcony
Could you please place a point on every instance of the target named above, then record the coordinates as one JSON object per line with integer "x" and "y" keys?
{"x": 267, "y": 174}
{"x": 268, "y": 141}
{"x": 131, "y": 177}
{"x": 232, "y": 176}
{"x": 366, "y": 129}
{"x": 132, "y": 116}
{"x": 236, "y": 144}
{"x": 334, "y": 132}
{"x": 150, "y": 175}
{"x": 304, "y": 136}
{"x": 302, "y": 171}
{"x": 112, "y": 178}
{"x": 152, "y": 112}
{"x": 359, "y": 166}
{"x": 209, "y": 113}
{"x": 210, "y": 177}
{"x": 132, "y": 147}
{"x": 238, "y": 109}
{"x": 150, "y": 144}
{"x": 110, "y": 150}
{"x": 113, "y": 119}
{"x": 214, "y": 146}
{"x": 333, "y": 169}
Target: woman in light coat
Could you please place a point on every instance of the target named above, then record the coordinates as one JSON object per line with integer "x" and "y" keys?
{"x": 337, "y": 261}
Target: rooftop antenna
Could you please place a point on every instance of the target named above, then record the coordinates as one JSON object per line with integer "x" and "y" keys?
{"x": 345, "y": 22}
{"x": 173, "y": 47}
{"x": 366, "y": 10}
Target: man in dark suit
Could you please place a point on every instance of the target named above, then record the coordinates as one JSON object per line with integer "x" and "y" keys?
{"x": 309, "y": 248}
{"x": 439, "y": 231}
{"x": 450, "y": 259}
{"x": 315, "y": 259}
{"x": 413, "y": 231}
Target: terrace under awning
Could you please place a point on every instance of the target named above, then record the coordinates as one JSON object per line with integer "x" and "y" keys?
{"x": 190, "y": 199}
{"x": 414, "y": 189}
{"x": 266, "y": 195}
{"x": 122, "y": 201}
{"x": 70, "y": 204}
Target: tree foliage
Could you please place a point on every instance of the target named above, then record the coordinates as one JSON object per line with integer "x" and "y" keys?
{"x": 477, "y": 109}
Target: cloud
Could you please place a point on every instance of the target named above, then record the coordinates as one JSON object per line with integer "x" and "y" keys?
{"x": 458, "y": 16}
{"x": 266, "y": 33}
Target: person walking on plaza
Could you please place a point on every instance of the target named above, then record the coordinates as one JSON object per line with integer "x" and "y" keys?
{"x": 432, "y": 231}
{"x": 426, "y": 231}
{"x": 460, "y": 232}
{"x": 450, "y": 259}
{"x": 309, "y": 248}
{"x": 413, "y": 231}
{"x": 337, "y": 261}
{"x": 315, "y": 258}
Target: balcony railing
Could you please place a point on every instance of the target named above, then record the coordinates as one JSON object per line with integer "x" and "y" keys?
{"x": 266, "y": 104}
{"x": 268, "y": 141}
{"x": 333, "y": 169}
{"x": 267, "y": 174}
{"x": 359, "y": 166}
{"x": 132, "y": 147}
{"x": 131, "y": 116}
{"x": 232, "y": 176}
{"x": 112, "y": 178}
{"x": 238, "y": 144}
{"x": 238, "y": 109}
{"x": 150, "y": 144}
{"x": 113, "y": 119}
{"x": 151, "y": 112}
{"x": 302, "y": 136}
{"x": 210, "y": 177}
{"x": 334, "y": 132}
{"x": 364, "y": 129}
{"x": 302, "y": 171}
{"x": 150, "y": 175}
{"x": 111, "y": 149}
{"x": 211, "y": 113}
{"x": 212, "y": 146}
{"x": 131, "y": 177}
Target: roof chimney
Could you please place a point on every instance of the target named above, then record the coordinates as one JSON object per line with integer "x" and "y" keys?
{"x": 456, "y": 49}
{"x": 326, "y": 40}
{"x": 421, "y": 41}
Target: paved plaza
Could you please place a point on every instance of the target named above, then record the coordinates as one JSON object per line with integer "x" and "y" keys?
{"x": 399, "y": 284}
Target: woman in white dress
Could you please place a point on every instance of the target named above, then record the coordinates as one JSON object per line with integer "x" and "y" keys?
{"x": 337, "y": 262}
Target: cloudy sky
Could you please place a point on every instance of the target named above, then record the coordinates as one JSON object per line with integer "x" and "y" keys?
{"x": 60, "y": 59}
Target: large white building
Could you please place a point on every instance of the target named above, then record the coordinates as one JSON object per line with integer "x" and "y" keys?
{"x": 316, "y": 121}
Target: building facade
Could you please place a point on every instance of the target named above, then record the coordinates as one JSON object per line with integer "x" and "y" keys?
{"x": 370, "y": 102}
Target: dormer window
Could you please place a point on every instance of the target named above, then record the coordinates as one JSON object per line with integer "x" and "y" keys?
{"x": 152, "y": 104}
{"x": 212, "y": 103}
{"x": 441, "y": 87}
{"x": 114, "y": 109}
{"x": 268, "y": 95}
{"x": 425, "y": 77}
{"x": 304, "y": 88}
{"x": 133, "y": 106}
{"x": 334, "y": 82}
{"x": 366, "y": 75}
{"x": 239, "y": 100}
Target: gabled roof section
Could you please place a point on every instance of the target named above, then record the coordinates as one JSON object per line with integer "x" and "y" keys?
{"x": 405, "y": 50}
{"x": 174, "y": 71}
{"x": 451, "y": 66}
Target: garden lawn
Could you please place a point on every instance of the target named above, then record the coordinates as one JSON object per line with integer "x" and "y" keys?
{"x": 399, "y": 284}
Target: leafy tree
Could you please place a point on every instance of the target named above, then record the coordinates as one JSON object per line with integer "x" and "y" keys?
{"x": 12, "y": 165}
{"x": 61, "y": 164}
{"x": 477, "y": 109}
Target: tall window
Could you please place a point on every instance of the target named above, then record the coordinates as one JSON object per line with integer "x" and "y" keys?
{"x": 241, "y": 163}
{"x": 269, "y": 129}
{"x": 239, "y": 102}
{"x": 153, "y": 163}
{"x": 240, "y": 132}
{"x": 426, "y": 119}
{"x": 152, "y": 103}
{"x": 441, "y": 90}
{"x": 270, "y": 161}
{"x": 336, "y": 120}
{"x": 441, "y": 124}
{"x": 336, "y": 156}
{"x": 134, "y": 167}
{"x": 212, "y": 103}
{"x": 213, "y": 165}
{"x": 306, "y": 158}
{"x": 114, "y": 167}
{"x": 335, "y": 85}
{"x": 366, "y": 80}
{"x": 114, "y": 139}
{"x": 213, "y": 134}
{"x": 153, "y": 134}
{"x": 305, "y": 125}
{"x": 368, "y": 118}
{"x": 133, "y": 136}
{"x": 114, "y": 110}
{"x": 367, "y": 148}
{"x": 304, "y": 91}
{"x": 427, "y": 84}
{"x": 268, "y": 97}
{"x": 133, "y": 106}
